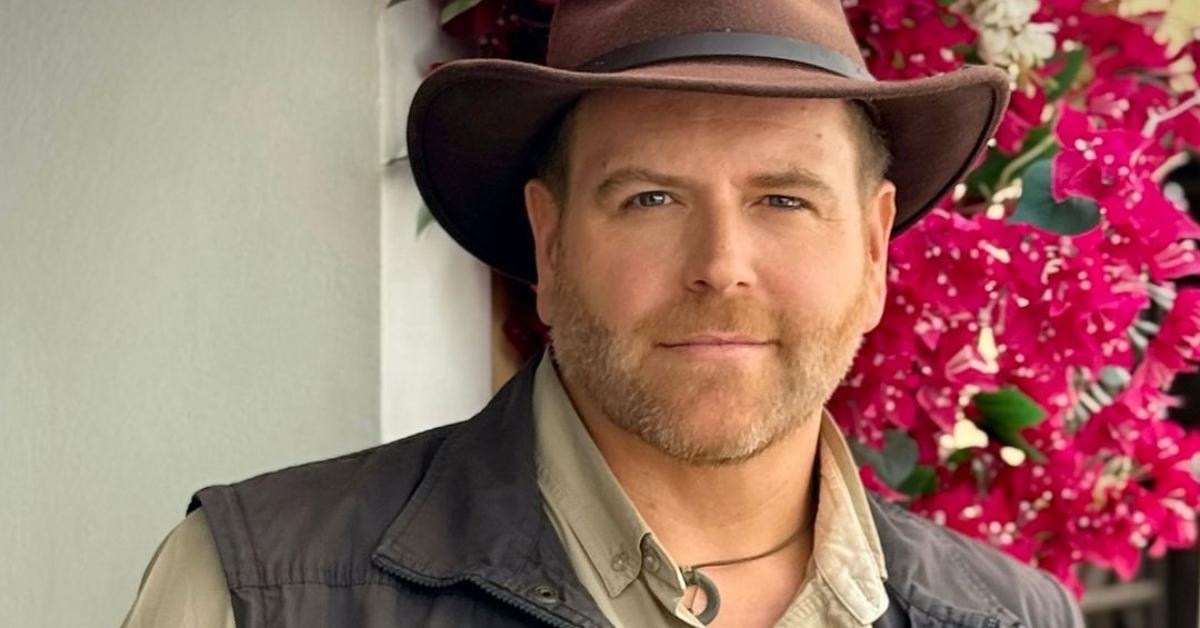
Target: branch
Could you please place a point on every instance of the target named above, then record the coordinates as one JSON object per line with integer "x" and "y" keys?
{"x": 1155, "y": 119}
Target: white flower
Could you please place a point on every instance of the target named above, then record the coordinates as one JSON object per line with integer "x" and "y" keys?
{"x": 1026, "y": 47}
{"x": 997, "y": 14}
{"x": 994, "y": 45}
{"x": 1034, "y": 44}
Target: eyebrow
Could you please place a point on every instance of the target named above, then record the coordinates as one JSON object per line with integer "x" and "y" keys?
{"x": 791, "y": 176}
{"x": 628, "y": 174}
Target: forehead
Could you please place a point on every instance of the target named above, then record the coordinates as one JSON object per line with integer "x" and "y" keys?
{"x": 612, "y": 124}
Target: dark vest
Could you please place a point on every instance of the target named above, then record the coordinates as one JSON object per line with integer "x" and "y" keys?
{"x": 446, "y": 529}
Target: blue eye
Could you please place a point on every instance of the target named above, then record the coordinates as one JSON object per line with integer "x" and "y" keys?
{"x": 789, "y": 202}
{"x": 648, "y": 199}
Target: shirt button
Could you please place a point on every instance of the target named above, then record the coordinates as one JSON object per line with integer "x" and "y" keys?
{"x": 620, "y": 562}
{"x": 650, "y": 560}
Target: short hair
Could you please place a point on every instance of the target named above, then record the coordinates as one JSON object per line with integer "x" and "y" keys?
{"x": 874, "y": 154}
{"x": 551, "y": 163}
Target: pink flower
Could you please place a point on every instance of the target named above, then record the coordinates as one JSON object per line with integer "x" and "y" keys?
{"x": 486, "y": 24}
{"x": 908, "y": 38}
{"x": 1129, "y": 102}
{"x": 1114, "y": 43}
{"x": 1024, "y": 114}
{"x": 1097, "y": 163}
{"x": 1055, "y": 305}
{"x": 1176, "y": 347}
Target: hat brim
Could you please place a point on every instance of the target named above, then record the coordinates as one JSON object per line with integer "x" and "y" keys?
{"x": 474, "y": 124}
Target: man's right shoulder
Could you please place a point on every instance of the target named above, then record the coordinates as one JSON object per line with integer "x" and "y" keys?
{"x": 402, "y": 461}
{"x": 318, "y": 513}
{"x": 183, "y": 585}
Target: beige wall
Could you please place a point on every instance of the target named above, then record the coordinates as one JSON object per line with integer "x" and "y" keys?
{"x": 189, "y": 271}
{"x": 435, "y": 362}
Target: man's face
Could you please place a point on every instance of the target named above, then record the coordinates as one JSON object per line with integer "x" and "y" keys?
{"x": 715, "y": 268}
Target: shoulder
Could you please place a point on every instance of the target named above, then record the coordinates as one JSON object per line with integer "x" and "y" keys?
{"x": 183, "y": 585}
{"x": 919, "y": 552}
{"x": 321, "y": 481}
{"x": 318, "y": 514}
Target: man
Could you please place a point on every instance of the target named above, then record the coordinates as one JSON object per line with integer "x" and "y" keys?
{"x": 706, "y": 224}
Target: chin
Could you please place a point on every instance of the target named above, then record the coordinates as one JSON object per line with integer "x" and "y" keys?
{"x": 718, "y": 420}
{"x": 715, "y": 449}
{"x": 720, "y": 395}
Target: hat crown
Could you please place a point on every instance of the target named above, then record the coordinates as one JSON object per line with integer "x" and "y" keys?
{"x": 583, "y": 30}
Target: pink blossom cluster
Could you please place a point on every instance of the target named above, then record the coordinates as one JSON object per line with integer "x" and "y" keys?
{"x": 908, "y": 38}
{"x": 1115, "y": 43}
{"x": 1058, "y": 309}
{"x": 1089, "y": 326}
{"x": 502, "y": 28}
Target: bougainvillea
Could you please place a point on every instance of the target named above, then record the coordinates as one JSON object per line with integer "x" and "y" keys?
{"x": 1015, "y": 389}
{"x": 1019, "y": 373}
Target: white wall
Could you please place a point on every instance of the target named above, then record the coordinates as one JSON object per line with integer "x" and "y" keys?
{"x": 436, "y": 300}
{"x": 189, "y": 271}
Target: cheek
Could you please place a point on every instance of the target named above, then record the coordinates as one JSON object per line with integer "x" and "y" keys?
{"x": 807, "y": 295}
{"x": 813, "y": 283}
{"x": 621, "y": 281}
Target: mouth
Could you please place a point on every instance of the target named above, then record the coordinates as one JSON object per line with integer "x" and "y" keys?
{"x": 718, "y": 345}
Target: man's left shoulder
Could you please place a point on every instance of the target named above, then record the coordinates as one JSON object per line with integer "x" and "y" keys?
{"x": 930, "y": 563}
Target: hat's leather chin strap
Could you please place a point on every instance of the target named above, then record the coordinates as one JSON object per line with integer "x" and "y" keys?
{"x": 723, "y": 44}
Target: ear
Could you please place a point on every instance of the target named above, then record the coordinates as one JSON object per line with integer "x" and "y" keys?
{"x": 544, "y": 216}
{"x": 879, "y": 214}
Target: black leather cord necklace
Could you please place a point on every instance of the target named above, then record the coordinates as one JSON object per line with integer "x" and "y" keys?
{"x": 712, "y": 598}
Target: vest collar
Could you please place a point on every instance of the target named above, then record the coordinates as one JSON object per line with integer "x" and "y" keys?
{"x": 928, "y": 570}
{"x": 477, "y": 516}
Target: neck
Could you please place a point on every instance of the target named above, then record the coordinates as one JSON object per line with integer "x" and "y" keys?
{"x": 706, "y": 513}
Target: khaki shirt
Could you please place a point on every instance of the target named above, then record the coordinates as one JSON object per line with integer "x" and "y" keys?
{"x": 615, "y": 555}
{"x": 184, "y": 585}
{"x": 632, "y": 577}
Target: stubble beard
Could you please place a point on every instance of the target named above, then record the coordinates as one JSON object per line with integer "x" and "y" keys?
{"x": 618, "y": 372}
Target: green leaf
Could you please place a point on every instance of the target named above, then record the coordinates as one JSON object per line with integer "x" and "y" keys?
{"x": 895, "y": 462}
{"x": 1037, "y": 207}
{"x": 1040, "y": 143}
{"x": 981, "y": 182}
{"x": 424, "y": 219}
{"x": 1060, "y": 83}
{"x": 999, "y": 167}
{"x": 1008, "y": 408}
{"x": 960, "y": 456}
{"x": 456, "y": 8}
{"x": 1005, "y": 413}
{"x": 922, "y": 481}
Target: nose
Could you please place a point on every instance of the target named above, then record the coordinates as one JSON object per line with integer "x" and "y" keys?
{"x": 719, "y": 250}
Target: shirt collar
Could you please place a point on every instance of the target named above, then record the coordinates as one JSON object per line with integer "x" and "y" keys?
{"x": 846, "y": 548}
{"x": 576, "y": 479}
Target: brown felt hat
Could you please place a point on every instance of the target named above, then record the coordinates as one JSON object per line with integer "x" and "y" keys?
{"x": 475, "y": 124}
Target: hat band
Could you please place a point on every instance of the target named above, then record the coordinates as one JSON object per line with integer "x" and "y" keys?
{"x": 727, "y": 43}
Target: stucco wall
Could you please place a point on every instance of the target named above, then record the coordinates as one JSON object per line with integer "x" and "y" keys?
{"x": 189, "y": 271}
{"x": 436, "y": 299}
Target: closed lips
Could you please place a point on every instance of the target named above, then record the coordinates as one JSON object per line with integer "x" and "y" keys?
{"x": 716, "y": 340}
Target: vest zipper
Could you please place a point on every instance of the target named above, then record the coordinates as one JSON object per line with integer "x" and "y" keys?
{"x": 496, "y": 592}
